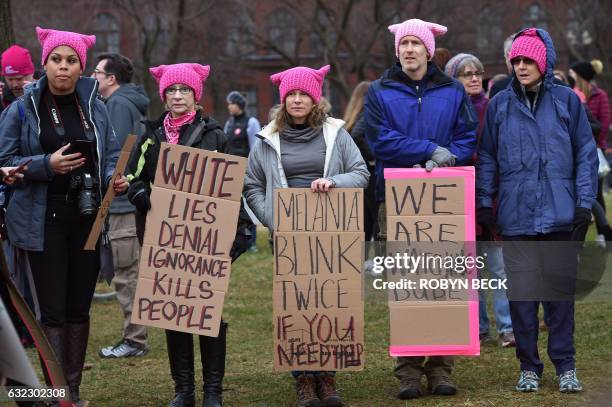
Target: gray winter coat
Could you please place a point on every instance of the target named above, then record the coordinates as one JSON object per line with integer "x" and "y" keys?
{"x": 127, "y": 108}
{"x": 19, "y": 141}
{"x": 343, "y": 164}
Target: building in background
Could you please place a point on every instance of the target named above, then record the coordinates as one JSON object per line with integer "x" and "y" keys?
{"x": 246, "y": 41}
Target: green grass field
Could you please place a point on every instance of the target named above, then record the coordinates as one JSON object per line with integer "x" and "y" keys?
{"x": 486, "y": 380}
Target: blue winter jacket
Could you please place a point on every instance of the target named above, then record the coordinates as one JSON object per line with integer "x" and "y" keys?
{"x": 539, "y": 165}
{"x": 405, "y": 125}
{"x": 19, "y": 141}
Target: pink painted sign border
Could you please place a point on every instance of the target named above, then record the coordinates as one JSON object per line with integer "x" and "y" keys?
{"x": 469, "y": 173}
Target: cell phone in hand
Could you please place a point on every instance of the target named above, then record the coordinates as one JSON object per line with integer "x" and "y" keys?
{"x": 85, "y": 147}
{"x": 20, "y": 168}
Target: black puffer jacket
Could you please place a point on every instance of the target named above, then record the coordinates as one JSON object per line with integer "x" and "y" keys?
{"x": 143, "y": 164}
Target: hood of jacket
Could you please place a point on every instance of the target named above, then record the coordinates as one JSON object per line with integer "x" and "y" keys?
{"x": 86, "y": 90}
{"x": 551, "y": 56}
{"x": 270, "y": 135}
{"x": 135, "y": 94}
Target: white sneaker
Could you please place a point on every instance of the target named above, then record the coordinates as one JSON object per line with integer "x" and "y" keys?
{"x": 123, "y": 349}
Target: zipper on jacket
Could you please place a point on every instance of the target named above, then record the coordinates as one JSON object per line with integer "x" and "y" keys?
{"x": 100, "y": 175}
{"x": 418, "y": 96}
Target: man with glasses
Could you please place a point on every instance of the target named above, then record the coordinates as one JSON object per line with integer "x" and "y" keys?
{"x": 127, "y": 106}
{"x": 418, "y": 116}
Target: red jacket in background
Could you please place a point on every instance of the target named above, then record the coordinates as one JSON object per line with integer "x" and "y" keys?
{"x": 600, "y": 108}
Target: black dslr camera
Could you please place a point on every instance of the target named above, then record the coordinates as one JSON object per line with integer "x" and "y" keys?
{"x": 83, "y": 188}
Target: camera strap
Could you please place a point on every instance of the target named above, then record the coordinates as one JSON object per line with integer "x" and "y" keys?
{"x": 58, "y": 124}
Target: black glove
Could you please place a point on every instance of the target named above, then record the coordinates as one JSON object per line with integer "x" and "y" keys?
{"x": 138, "y": 194}
{"x": 582, "y": 217}
{"x": 240, "y": 244}
{"x": 486, "y": 219}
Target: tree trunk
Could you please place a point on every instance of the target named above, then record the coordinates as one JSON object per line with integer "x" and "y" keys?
{"x": 7, "y": 36}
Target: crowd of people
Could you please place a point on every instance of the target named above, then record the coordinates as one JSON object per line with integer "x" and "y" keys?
{"x": 532, "y": 135}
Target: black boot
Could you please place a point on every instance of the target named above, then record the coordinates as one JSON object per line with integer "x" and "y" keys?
{"x": 56, "y": 336}
{"x": 212, "y": 351}
{"x": 180, "y": 355}
{"x": 76, "y": 347}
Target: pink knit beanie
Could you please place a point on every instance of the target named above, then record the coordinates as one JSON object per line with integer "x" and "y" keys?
{"x": 16, "y": 60}
{"x": 192, "y": 75}
{"x": 529, "y": 44}
{"x": 423, "y": 30}
{"x": 51, "y": 39}
{"x": 307, "y": 80}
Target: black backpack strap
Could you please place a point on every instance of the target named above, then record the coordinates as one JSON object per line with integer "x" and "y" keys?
{"x": 194, "y": 133}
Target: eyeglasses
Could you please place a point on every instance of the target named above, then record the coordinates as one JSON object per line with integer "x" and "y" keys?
{"x": 182, "y": 90}
{"x": 469, "y": 75}
{"x": 96, "y": 72}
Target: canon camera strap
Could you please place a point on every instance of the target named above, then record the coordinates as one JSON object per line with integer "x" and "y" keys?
{"x": 58, "y": 124}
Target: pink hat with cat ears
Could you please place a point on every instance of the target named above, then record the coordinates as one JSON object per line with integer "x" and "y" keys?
{"x": 51, "y": 39}
{"x": 307, "y": 80}
{"x": 423, "y": 30}
{"x": 192, "y": 75}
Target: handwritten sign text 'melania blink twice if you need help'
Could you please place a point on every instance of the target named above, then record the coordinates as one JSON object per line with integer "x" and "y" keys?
{"x": 185, "y": 263}
{"x": 318, "y": 283}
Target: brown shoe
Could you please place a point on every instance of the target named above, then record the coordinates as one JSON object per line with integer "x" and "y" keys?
{"x": 326, "y": 388}
{"x": 410, "y": 388}
{"x": 441, "y": 385}
{"x": 306, "y": 388}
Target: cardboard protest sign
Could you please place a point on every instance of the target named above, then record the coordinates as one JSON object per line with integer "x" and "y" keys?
{"x": 335, "y": 211}
{"x": 185, "y": 262}
{"x": 434, "y": 212}
{"x": 189, "y": 222}
{"x": 124, "y": 156}
{"x": 318, "y": 282}
{"x": 200, "y": 172}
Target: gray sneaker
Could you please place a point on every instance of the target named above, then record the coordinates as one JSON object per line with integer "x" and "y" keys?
{"x": 507, "y": 340}
{"x": 528, "y": 381}
{"x": 123, "y": 349}
{"x": 569, "y": 383}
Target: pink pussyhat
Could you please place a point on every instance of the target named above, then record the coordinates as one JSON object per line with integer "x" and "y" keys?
{"x": 307, "y": 80}
{"x": 51, "y": 39}
{"x": 423, "y": 30}
{"x": 529, "y": 44}
{"x": 190, "y": 74}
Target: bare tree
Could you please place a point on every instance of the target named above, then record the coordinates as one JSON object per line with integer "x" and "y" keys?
{"x": 350, "y": 35}
{"x": 585, "y": 30}
{"x": 160, "y": 26}
{"x": 7, "y": 35}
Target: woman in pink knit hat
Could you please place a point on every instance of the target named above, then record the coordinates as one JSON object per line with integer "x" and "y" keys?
{"x": 63, "y": 132}
{"x": 537, "y": 158}
{"x": 184, "y": 123}
{"x": 303, "y": 148}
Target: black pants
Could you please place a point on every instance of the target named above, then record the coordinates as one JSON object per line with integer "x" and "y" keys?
{"x": 64, "y": 274}
{"x": 529, "y": 266}
{"x": 370, "y": 208}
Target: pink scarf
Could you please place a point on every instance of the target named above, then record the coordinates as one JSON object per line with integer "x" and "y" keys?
{"x": 172, "y": 125}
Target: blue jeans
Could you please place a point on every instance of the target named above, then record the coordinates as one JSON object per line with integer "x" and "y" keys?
{"x": 253, "y": 238}
{"x": 501, "y": 307}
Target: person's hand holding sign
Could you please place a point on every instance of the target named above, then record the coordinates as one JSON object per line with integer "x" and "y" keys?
{"x": 121, "y": 184}
{"x": 321, "y": 185}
